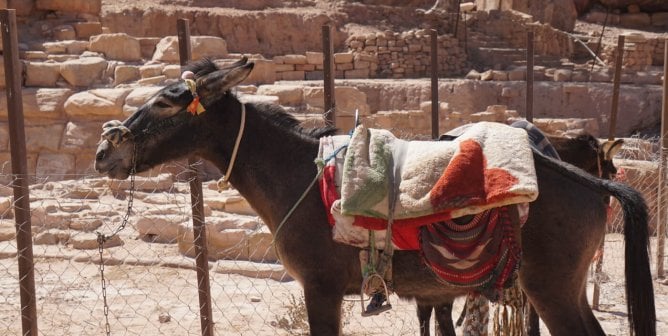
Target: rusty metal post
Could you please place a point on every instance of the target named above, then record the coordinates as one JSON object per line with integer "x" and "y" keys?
{"x": 661, "y": 222}
{"x": 529, "y": 93}
{"x": 434, "y": 84}
{"x": 615, "y": 87}
{"x": 197, "y": 206}
{"x": 19, "y": 171}
{"x": 328, "y": 69}
{"x": 611, "y": 136}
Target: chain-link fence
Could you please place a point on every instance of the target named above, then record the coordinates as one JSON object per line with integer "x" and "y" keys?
{"x": 149, "y": 268}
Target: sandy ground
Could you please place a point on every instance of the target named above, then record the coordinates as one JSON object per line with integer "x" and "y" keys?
{"x": 161, "y": 299}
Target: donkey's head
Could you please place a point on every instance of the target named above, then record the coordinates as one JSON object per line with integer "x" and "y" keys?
{"x": 166, "y": 127}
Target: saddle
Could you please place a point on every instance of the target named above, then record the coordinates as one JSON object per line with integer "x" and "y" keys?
{"x": 407, "y": 193}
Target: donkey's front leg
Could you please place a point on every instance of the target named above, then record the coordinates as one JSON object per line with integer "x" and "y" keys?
{"x": 323, "y": 305}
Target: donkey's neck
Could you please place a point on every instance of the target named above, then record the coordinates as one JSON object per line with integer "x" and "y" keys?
{"x": 274, "y": 164}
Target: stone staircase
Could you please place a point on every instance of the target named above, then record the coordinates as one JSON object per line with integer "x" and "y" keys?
{"x": 492, "y": 52}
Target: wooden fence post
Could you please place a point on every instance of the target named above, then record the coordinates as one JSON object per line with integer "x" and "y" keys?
{"x": 197, "y": 206}
{"x": 20, "y": 171}
{"x": 328, "y": 69}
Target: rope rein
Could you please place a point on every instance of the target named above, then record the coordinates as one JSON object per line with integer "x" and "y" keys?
{"x": 321, "y": 168}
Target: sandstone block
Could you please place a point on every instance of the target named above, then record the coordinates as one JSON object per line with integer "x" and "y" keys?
{"x": 59, "y": 166}
{"x": 162, "y": 182}
{"x": 43, "y": 137}
{"x": 44, "y": 102}
{"x": 88, "y": 241}
{"x": 42, "y": 74}
{"x": 316, "y": 58}
{"x": 64, "y": 32}
{"x": 517, "y": 74}
{"x": 137, "y": 98}
{"x": 80, "y": 135}
{"x": 119, "y": 46}
{"x": 292, "y": 75}
{"x": 510, "y": 92}
{"x": 473, "y": 74}
{"x": 84, "y": 30}
{"x": 83, "y": 71}
{"x": 487, "y": 75}
{"x": 346, "y": 57}
{"x": 202, "y": 46}
{"x": 54, "y": 47}
{"x": 7, "y": 233}
{"x": 356, "y": 74}
{"x": 147, "y": 45}
{"x": 51, "y": 237}
{"x": 304, "y": 67}
{"x": 86, "y": 224}
{"x": 167, "y": 50}
{"x": 76, "y": 47}
{"x": 294, "y": 59}
{"x": 173, "y": 71}
{"x": 264, "y": 72}
{"x": 151, "y": 80}
{"x": 97, "y": 102}
{"x": 563, "y": 75}
{"x": 208, "y": 46}
{"x": 159, "y": 228}
{"x": 282, "y": 67}
{"x": 151, "y": 70}
{"x": 75, "y": 6}
{"x": 260, "y": 248}
{"x": 125, "y": 74}
{"x": 33, "y": 55}
{"x": 287, "y": 94}
{"x": 498, "y": 75}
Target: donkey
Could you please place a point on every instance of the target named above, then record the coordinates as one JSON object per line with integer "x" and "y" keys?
{"x": 583, "y": 151}
{"x": 273, "y": 169}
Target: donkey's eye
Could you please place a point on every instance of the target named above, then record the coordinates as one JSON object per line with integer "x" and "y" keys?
{"x": 162, "y": 104}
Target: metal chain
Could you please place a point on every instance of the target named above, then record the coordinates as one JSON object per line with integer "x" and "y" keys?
{"x": 102, "y": 238}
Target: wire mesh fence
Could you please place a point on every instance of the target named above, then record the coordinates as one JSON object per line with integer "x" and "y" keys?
{"x": 149, "y": 267}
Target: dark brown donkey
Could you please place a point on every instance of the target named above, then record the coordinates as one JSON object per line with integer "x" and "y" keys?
{"x": 583, "y": 151}
{"x": 274, "y": 168}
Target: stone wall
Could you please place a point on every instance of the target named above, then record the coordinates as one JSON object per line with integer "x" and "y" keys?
{"x": 406, "y": 54}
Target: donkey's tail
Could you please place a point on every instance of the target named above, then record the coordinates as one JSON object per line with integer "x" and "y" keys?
{"x": 639, "y": 287}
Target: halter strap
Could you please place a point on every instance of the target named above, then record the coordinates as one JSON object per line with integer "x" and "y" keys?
{"x": 224, "y": 182}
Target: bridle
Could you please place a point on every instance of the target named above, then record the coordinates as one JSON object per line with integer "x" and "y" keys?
{"x": 116, "y": 134}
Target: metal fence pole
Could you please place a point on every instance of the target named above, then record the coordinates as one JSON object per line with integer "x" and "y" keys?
{"x": 661, "y": 222}
{"x": 328, "y": 69}
{"x": 19, "y": 171}
{"x": 611, "y": 136}
{"x": 434, "y": 84}
{"x": 197, "y": 206}
{"x": 529, "y": 96}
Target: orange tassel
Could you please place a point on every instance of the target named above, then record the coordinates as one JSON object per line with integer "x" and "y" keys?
{"x": 195, "y": 107}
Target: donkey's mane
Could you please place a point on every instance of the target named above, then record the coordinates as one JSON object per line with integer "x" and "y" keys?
{"x": 276, "y": 115}
{"x": 273, "y": 113}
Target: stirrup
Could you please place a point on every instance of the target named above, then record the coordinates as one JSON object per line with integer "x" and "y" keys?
{"x": 376, "y": 305}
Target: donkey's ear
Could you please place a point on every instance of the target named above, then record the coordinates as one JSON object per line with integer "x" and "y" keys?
{"x": 611, "y": 148}
{"x": 221, "y": 81}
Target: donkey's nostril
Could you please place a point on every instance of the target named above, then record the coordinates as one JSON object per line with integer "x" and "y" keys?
{"x": 100, "y": 155}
